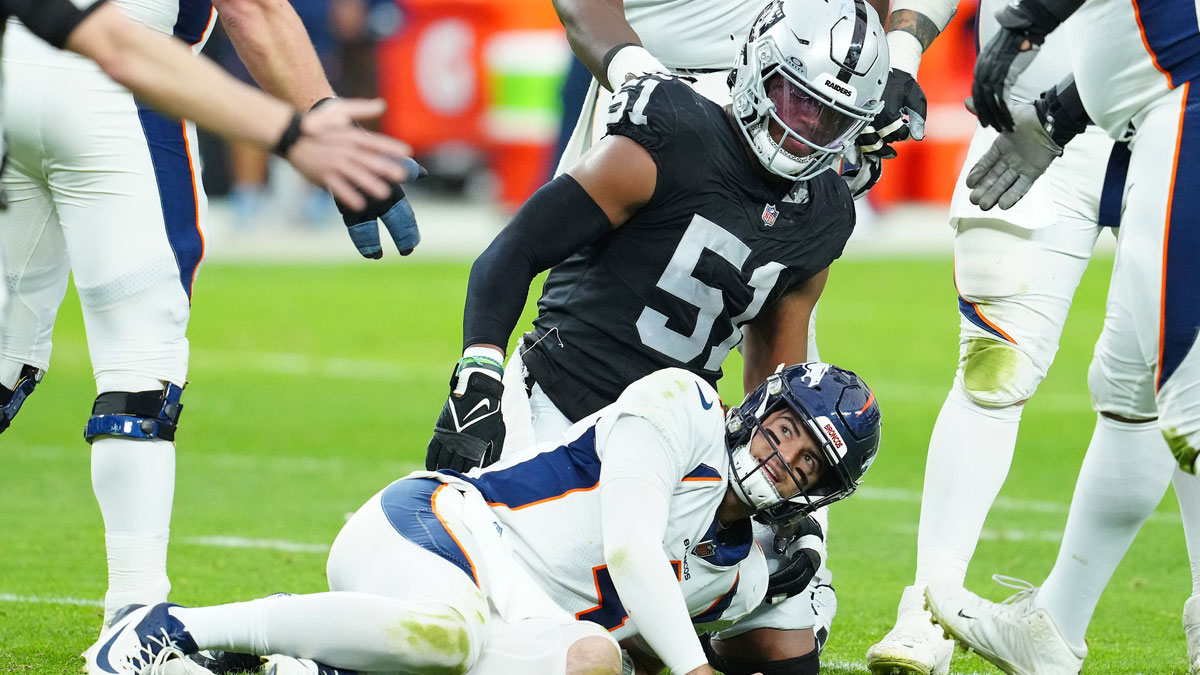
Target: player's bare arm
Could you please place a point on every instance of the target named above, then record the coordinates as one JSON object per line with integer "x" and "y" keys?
{"x": 911, "y": 27}
{"x": 272, "y": 42}
{"x": 914, "y": 23}
{"x": 325, "y": 146}
{"x": 619, "y": 175}
{"x": 594, "y": 29}
{"x": 780, "y": 333}
{"x": 274, "y": 45}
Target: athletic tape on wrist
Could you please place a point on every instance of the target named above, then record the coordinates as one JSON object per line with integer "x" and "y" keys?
{"x": 905, "y": 51}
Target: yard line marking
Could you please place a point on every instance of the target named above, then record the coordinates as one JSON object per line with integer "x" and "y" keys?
{"x": 264, "y": 544}
{"x": 38, "y": 600}
{"x": 1002, "y": 503}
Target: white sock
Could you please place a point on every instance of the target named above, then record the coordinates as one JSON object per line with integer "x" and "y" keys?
{"x": 970, "y": 452}
{"x": 1124, "y": 475}
{"x": 1187, "y": 489}
{"x": 134, "y": 482}
{"x": 357, "y": 631}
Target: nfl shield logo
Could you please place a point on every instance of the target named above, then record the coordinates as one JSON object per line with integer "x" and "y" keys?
{"x": 770, "y": 213}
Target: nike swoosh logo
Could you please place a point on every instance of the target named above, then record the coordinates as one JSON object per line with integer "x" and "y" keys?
{"x": 102, "y": 655}
{"x": 485, "y": 403}
{"x": 703, "y": 401}
{"x": 960, "y": 613}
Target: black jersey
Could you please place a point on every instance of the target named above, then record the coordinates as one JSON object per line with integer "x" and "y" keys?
{"x": 716, "y": 243}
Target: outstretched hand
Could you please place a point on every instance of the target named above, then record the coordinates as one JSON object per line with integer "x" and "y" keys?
{"x": 351, "y": 162}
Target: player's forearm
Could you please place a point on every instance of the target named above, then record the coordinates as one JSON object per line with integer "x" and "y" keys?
{"x": 881, "y": 7}
{"x": 165, "y": 74}
{"x": 779, "y": 335}
{"x": 634, "y": 517}
{"x": 638, "y": 474}
{"x": 912, "y": 26}
{"x": 272, "y": 42}
{"x": 594, "y": 27}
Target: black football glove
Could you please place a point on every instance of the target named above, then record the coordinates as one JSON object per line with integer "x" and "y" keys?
{"x": 902, "y": 98}
{"x": 396, "y": 214}
{"x": 470, "y": 430}
{"x": 861, "y": 171}
{"x": 1006, "y": 54}
{"x": 801, "y": 548}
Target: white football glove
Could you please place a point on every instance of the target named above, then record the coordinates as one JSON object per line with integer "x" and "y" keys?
{"x": 1008, "y": 169}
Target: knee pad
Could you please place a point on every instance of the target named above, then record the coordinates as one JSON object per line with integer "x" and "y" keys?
{"x": 996, "y": 374}
{"x": 12, "y": 399}
{"x": 809, "y": 664}
{"x": 144, "y": 414}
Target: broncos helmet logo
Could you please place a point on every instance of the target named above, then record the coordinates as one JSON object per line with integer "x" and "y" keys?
{"x": 813, "y": 373}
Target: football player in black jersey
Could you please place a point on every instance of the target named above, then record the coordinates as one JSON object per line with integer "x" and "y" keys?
{"x": 688, "y": 229}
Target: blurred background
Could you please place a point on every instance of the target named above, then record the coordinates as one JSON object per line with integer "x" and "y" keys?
{"x": 487, "y": 92}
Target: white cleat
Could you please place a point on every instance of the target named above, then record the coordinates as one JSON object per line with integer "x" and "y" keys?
{"x": 143, "y": 641}
{"x": 1016, "y": 635}
{"x": 278, "y": 664}
{"x": 1191, "y": 628}
{"x": 914, "y": 646}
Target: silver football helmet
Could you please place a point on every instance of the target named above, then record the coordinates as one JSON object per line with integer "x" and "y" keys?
{"x": 809, "y": 77}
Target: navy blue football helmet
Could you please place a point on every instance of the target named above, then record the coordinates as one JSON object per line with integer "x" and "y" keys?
{"x": 841, "y": 414}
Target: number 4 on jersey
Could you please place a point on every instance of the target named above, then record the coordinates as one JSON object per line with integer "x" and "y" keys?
{"x": 609, "y": 612}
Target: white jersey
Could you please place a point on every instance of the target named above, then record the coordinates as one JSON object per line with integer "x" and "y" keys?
{"x": 692, "y": 34}
{"x": 549, "y": 510}
{"x": 189, "y": 20}
{"x": 1130, "y": 53}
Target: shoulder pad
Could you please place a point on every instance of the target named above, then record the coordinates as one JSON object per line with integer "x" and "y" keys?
{"x": 657, "y": 103}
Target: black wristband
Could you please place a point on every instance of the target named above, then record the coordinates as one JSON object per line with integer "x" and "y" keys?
{"x": 288, "y": 138}
{"x": 608, "y": 55}
{"x": 1061, "y": 112}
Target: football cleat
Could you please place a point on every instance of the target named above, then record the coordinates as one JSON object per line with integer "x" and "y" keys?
{"x": 1191, "y": 628}
{"x": 141, "y": 641}
{"x": 1017, "y": 636}
{"x": 914, "y": 646}
{"x": 219, "y": 662}
{"x": 278, "y": 664}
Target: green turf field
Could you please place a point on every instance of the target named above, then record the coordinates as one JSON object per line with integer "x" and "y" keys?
{"x": 313, "y": 386}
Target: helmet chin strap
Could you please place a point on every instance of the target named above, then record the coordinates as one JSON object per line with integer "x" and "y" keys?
{"x": 756, "y": 489}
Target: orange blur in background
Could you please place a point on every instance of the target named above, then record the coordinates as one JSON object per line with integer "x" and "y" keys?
{"x": 484, "y": 75}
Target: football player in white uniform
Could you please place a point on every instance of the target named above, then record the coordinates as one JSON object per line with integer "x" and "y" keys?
{"x": 1133, "y": 64}
{"x": 633, "y": 527}
{"x": 1016, "y": 271}
{"x": 103, "y": 187}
